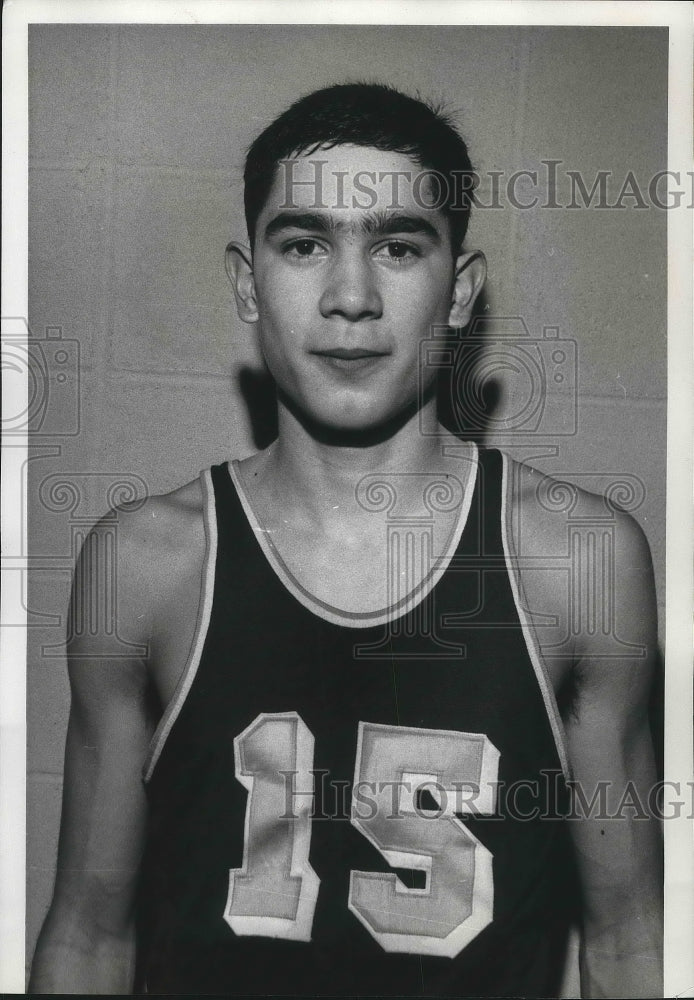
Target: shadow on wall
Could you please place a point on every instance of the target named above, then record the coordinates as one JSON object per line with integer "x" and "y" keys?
{"x": 257, "y": 388}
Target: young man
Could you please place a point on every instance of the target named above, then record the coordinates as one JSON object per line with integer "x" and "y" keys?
{"x": 355, "y": 779}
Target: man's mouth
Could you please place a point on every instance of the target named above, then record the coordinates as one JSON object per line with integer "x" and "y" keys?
{"x": 350, "y": 359}
{"x": 350, "y": 353}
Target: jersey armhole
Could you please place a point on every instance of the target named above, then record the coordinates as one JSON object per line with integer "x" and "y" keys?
{"x": 187, "y": 677}
{"x": 529, "y": 632}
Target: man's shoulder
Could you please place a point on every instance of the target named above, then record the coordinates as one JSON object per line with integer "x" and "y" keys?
{"x": 546, "y": 506}
{"x": 158, "y": 551}
{"x": 582, "y": 558}
{"x": 159, "y": 541}
{"x": 161, "y": 523}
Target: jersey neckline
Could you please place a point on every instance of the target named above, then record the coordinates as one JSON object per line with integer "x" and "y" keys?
{"x": 359, "y": 619}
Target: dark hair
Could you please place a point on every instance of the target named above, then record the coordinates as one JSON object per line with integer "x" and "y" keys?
{"x": 364, "y": 114}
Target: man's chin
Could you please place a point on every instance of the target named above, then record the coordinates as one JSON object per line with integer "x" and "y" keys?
{"x": 356, "y": 430}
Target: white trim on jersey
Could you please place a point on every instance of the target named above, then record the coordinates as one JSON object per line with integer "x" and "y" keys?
{"x": 529, "y": 632}
{"x": 204, "y": 612}
{"x": 358, "y": 619}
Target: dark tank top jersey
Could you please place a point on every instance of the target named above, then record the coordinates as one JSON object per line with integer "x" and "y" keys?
{"x": 359, "y": 805}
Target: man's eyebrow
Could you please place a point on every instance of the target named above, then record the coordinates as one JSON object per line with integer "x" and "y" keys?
{"x": 299, "y": 220}
{"x": 390, "y": 223}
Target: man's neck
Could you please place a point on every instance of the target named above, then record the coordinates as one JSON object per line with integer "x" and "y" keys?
{"x": 317, "y": 480}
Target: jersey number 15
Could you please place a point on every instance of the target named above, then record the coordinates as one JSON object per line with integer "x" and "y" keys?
{"x": 274, "y": 893}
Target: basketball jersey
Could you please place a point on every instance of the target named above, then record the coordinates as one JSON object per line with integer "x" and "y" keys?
{"x": 348, "y": 804}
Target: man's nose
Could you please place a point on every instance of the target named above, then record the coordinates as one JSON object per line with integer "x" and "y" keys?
{"x": 351, "y": 290}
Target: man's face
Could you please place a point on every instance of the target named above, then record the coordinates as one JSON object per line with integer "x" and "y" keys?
{"x": 351, "y": 272}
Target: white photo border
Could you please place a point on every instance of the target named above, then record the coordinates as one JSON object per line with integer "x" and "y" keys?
{"x": 679, "y": 747}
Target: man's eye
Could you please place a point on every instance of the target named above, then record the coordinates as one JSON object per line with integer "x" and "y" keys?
{"x": 304, "y": 248}
{"x": 396, "y": 250}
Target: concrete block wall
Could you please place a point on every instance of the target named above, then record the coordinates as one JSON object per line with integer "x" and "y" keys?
{"x": 137, "y": 138}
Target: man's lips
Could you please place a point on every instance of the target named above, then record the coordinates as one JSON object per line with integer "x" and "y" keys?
{"x": 349, "y": 353}
{"x": 350, "y": 360}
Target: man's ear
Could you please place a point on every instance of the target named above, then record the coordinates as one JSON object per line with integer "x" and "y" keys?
{"x": 470, "y": 275}
{"x": 239, "y": 267}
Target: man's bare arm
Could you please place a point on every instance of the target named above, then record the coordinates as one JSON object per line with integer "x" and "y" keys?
{"x": 587, "y": 572}
{"x": 87, "y": 942}
{"x": 618, "y": 848}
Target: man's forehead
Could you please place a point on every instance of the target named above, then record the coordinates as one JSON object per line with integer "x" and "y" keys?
{"x": 347, "y": 178}
{"x": 351, "y": 157}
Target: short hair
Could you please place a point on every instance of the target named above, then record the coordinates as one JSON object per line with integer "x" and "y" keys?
{"x": 364, "y": 114}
